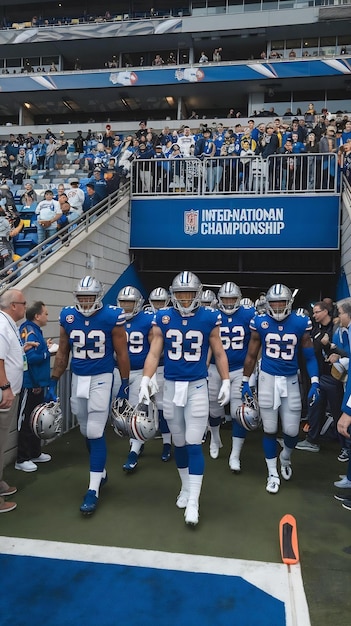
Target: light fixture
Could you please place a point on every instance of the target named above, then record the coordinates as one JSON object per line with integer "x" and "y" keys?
{"x": 27, "y": 105}
{"x": 170, "y": 100}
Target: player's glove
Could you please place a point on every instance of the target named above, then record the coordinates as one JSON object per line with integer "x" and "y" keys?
{"x": 313, "y": 394}
{"x": 123, "y": 391}
{"x": 51, "y": 393}
{"x": 246, "y": 390}
{"x": 224, "y": 392}
{"x": 144, "y": 391}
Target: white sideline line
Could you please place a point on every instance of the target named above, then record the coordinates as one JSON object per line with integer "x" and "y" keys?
{"x": 280, "y": 581}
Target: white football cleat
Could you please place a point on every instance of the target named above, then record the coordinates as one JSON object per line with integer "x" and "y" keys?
{"x": 214, "y": 449}
{"x": 182, "y": 499}
{"x": 234, "y": 463}
{"x": 273, "y": 484}
{"x": 285, "y": 468}
{"x": 191, "y": 514}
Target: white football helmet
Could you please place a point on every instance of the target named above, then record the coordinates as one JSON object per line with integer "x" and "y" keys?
{"x": 133, "y": 297}
{"x": 246, "y": 302}
{"x": 229, "y": 291}
{"x": 186, "y": 282}
{"x": 46, "y": 420}
{"x": 159, "y": 298}
{"x": 88, "y": 295}
{"x": 279, "y": 293}
{"x": 247, "y": 414}
{"x": 208, "y": 298}
{"x": 140, "y": 422}
{"x": 261, "y": 304}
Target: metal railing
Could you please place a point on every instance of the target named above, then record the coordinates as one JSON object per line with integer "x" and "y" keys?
{"x": 234, "y": 175}
{"x": 32, "y": 260}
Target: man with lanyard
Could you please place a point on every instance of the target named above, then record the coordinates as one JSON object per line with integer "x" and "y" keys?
{"x": 12, "y": 364}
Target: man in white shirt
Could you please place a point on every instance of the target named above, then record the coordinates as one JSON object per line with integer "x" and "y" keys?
{"x": 48, "y": 212}
{"x": 12, "y": 363}
{"x": 75, "y": 195}
{"x": 185, "y": 142}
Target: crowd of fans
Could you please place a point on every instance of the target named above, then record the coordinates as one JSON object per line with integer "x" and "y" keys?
{"x": 105, "y": 162}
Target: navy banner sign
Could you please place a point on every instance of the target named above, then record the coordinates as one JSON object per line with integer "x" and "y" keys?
{"x": 281, "y": 223}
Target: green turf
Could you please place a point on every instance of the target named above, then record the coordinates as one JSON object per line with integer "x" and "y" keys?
{"x": 238, "y": 518}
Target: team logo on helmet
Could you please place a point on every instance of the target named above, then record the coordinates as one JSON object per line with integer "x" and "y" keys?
{"x": 140, "y": 422}
{"x": 247, "y": 414}
{"x": 46, "y": 420}
{"x": 184, "y": 284}
{"x": 131, "y": 297}
{"x": 88, "y": 296}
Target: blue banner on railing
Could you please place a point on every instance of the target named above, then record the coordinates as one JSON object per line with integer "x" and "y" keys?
{"x": 274, "y": 223}
{"x": 140, "y": 76}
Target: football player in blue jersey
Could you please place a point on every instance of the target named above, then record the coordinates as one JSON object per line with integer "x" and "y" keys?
{"x": 235, "y": 335}
{"x": 184, "y": 333}
{"x": 92, "y": 333}
{"x": 159, "y": 299}
{"x": 280, "y": 331}
{"x": 138, "y": 329}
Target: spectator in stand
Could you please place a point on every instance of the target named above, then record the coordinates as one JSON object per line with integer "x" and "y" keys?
{"x": 145, "y": 168}
{"x": 313, "y": 165}
{"x": 310, "y": 114}
{"x": 108, "y": 137}
{"x": 203, "y": 58}
{"x": 345, "y": 151}
{"x": 112, "y": 179}
{"x": 19, "y": 171}
{"x": 41, "y": 153}
{"x": 51, "y": 153}
{"x": 300, "y": 130}
{"x": 68, "y": 216}
{"x": 171, "y": 60}
{"x": 78, "y": 142}
{"x": 29, "y": 196}
{"x": 30, "y": 160}
{"x": 217, "y": 55}
{"x": 346, "y": 133}
{"x": 12, "y": 150}
{"x": 5, "y": 170}
{"x": 75, "y": 195}
{"x": 53, "y": 67}
{"x": 328, "y": 145}
{"x": 117, "y": 146}
{"x": 185, "y": 141}
{"x": 142, "y": 130}
{"x": 292, "y": 54}
{"x": 48, "y": 212}
{"x": 158, "y": 61}
{"x": 297, "y": 146}
{"x": 165, "y": 136}
{"x": 91, "y": 198}
{"x": 99, "y": 185}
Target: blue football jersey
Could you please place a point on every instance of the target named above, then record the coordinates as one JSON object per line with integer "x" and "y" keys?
{"x": 235, "y": 334}
{"x": 280, "y": 341}
{"x": 186, "y": 341}
{"x": 138, "y": 328}
{"x": 90, "y": 338}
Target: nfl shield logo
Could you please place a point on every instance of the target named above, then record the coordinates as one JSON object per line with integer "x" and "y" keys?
{"x": 191, "y": 222}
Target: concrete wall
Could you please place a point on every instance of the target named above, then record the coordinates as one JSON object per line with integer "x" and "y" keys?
{"x": 105, "y": 246}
